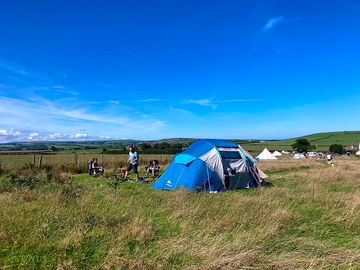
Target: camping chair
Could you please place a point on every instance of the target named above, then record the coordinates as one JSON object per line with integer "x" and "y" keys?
{"x": 152, "y": 168}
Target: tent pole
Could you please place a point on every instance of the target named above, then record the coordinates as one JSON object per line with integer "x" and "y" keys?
{"x": 207, "y": 171}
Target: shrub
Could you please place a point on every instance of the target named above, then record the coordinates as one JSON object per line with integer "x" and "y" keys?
{"x": 301, "y": 145}
{"x": 337, "y": 149}
{"x": 29, "y": 181}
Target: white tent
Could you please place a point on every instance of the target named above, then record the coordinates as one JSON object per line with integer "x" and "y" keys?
{"x": 299, "y": 156}
{"x": 277, "y": 154}
{"x": 266, "y": 155}
{"x": 358, "y": 152}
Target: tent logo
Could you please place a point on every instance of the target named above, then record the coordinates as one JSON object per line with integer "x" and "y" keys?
{"x": 168, "y": 183}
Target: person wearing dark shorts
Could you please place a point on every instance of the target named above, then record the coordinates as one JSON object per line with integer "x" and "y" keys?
{"x": 132, "y": 167}
{"x": 132, "y": 163}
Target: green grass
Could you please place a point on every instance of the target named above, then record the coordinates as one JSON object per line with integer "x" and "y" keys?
{"x": 70, "y": 159}
{"x": 309, "y": 219}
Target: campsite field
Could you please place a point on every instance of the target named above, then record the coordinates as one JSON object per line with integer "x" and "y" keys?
{"x": 308, "y": 219}
{"x": 78, "y": 159}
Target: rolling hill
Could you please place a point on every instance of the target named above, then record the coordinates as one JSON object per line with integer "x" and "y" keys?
{"x": 321, "y": 140}
{"x": 326, "y": 138}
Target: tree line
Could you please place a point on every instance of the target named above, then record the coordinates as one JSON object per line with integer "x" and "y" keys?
{"x": 147, "y": 148}
{"x": 303, "y": 146}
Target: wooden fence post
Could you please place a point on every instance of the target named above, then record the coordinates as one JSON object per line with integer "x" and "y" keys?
{"x": 76, "y": 159}
{"x": 40, "y": 161}
{"x": 34, "y": 160}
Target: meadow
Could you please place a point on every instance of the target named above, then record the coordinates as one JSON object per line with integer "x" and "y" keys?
{"x": 70, "y": 161}
{"x": 308, "y": 219}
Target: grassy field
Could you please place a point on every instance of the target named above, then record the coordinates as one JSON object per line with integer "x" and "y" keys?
{"x": 308, "y": 219}
{"x": 13, "y": 161}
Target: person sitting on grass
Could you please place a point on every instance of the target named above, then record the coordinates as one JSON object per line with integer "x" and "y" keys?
{"x": 152, "y": 168}
{"x": 94, "y": 168}
{"x": 132, "y": 163}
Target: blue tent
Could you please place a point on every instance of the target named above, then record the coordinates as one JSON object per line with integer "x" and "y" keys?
{"x": 204, "y": 166}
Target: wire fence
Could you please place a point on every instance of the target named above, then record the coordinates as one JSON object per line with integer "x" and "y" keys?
{"x": 75, "y": 159}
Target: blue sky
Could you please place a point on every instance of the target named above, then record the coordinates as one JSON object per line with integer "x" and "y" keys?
{"x": 159, "y": 69}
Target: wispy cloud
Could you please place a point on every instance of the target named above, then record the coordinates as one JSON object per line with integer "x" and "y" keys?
{"x": 21, "y": 73}
{"x": 116, "y": 102}
{"x": 150, "y": 100}
{"x": 54, "y": 89}
{"x": 180, "y": 111}
{"x": 271, "y": 23}
{"x": 207, "y": 102}
{"x": 11, "y": 67}
{"x": 52, "y": 116}
{"x": 240, "y": 100}
{"x": 210, "y": 102}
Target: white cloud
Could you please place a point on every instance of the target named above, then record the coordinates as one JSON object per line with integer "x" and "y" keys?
{"x": 207, "y": 102}
{"x": 271, "y": 23}
{"x": 62, "y": 117}
{"x": 10, "y": 132}
{"x": 80, "y": 135}
{"x": 34, "y": 134}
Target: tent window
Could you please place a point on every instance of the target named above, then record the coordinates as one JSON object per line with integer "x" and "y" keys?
{"x": 230, "y": 155}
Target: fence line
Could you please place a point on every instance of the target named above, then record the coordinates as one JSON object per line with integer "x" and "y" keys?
{"x": 76, "y": 159}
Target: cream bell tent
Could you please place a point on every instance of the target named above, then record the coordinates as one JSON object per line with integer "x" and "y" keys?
{"x": 277, "y": 154}
{"x": 266, "y": 155}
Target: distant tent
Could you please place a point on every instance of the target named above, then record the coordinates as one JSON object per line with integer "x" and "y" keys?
{"x": 277, "y": 154}
{"x": 299, "y": 156}
{"x": 211, "y": 165}
{"x": 266, "y": 155}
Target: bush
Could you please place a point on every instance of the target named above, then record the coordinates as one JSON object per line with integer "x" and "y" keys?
{"x": 337, "y": 149}
{"x": 28, "y": 181}
{"x": 31, "y": 178}
{"x": 301, "y": 145}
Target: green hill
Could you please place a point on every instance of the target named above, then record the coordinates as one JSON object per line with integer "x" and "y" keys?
{"x": 321, "y": 140}
{"x": 326, "y": 138}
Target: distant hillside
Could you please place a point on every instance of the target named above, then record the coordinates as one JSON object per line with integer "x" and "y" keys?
{"x": 80, "y": 145}
{"x": 322, "y": 140}
{"x": 326, "y": 138}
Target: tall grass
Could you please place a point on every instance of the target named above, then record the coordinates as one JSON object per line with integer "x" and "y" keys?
{"x": 69, "y": 160}
{"x": 309, "y": 219}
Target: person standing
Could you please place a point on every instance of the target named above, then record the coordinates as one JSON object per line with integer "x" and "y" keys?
{"x": 132, "y": 163}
